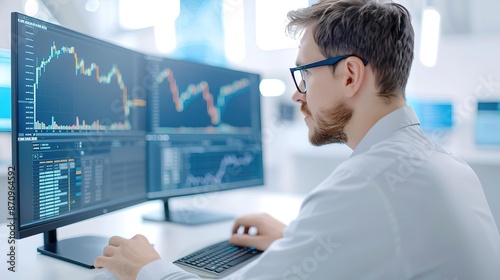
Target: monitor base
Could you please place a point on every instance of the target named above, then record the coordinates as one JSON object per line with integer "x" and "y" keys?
{"x": 79, "y": 250}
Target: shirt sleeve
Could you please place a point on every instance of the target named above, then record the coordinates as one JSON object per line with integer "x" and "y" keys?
{"x": 162, "y": 270}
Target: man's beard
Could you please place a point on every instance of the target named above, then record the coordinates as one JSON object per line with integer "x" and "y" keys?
{"x": 328, "y": 125}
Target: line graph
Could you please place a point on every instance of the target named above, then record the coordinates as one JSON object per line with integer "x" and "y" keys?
{"x": 191, "y": 98}
{"x": 80, "y": 68}
{"x": 182, "y": 99}
{"x": 232, "y": 167}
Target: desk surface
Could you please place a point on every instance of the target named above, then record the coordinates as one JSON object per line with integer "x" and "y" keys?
{"x": 172, "y": 241}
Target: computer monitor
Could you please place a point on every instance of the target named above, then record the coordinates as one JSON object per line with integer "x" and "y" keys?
{"x": 5, "y": 122}
{"x": 79, "y": 125}
{"x": 487, "y": 124}
{"x": 204, "y": 134}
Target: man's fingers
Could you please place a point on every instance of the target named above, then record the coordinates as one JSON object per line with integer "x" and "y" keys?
{"x": 116, "y": 241}
{"x": 247, "y": 229}
{"x": 101, "y": 262}
{"x": 247, "y": 222}
{"x": 242, "y": 240}
{"x": 246, "y": 240}
{"x": 140, "y": 237}
{"x": 109, "y": 251}
{"x": 236, "y": 226}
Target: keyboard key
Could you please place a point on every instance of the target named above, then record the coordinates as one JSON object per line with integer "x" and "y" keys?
{"x": 218, "y": 258}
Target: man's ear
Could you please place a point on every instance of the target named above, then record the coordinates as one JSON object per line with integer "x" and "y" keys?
{"x": 355, "y": 75}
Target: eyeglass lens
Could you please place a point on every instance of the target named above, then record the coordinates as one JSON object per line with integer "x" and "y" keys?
{"x": 299, "y": 80}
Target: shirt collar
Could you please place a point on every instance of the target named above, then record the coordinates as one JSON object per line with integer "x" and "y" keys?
{"x": 401, "y": 118}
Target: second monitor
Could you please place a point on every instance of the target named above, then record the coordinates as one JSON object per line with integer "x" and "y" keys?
{"x": 203, "y": 134}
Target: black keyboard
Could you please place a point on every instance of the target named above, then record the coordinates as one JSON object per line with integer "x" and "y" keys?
{"x": 218, "y": 260}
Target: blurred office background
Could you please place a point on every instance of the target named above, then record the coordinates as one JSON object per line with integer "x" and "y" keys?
{"x": 455, "y": 71}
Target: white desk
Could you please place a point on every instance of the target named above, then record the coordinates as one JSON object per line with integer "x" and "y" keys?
{"x": 172, "y": 241}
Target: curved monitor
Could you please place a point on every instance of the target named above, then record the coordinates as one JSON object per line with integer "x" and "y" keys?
{"x": 204, "y": 134}
{"x": 78, "y": 131}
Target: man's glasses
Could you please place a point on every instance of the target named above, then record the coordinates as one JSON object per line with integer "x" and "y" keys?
{"x": 298, "y": 73}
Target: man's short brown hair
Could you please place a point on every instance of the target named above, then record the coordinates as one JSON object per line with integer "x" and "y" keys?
{"x": 379, "y": 31}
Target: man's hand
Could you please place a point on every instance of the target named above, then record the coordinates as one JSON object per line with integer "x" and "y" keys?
{"x": 268, "y": 230}
{"x": 125, "y": 257}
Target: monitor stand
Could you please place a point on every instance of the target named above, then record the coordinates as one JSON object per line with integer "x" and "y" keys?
{"x": 79, "y": 250}
{"x": 186, "y": 217}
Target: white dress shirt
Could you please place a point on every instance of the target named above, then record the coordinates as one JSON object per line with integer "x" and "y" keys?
{"x": 401, "y": 207}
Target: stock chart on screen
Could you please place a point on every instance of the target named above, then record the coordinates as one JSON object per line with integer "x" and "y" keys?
{"x": 204, "y": 128}
{"x": 77, "y": 85}
{"x": 80, "y": 121}
{"x": 200, "y": 98}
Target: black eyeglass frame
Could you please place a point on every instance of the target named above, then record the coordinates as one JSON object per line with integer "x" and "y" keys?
{"x": 329, "y": 61}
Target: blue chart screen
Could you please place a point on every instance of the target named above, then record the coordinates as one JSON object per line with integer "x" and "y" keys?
{"x": 194, "y": 97}
{"x": 204, "y": 132}
{"x": 488, "y": 123}
{"x": 433, "y": 115}
{"x": 72, "y": 84}
{"x": 80, "y": 124}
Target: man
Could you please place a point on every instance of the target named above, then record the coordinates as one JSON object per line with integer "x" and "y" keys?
{"x": 401, "y": 207}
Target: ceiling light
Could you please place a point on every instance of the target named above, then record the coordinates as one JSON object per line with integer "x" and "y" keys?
{"x": 429, "y": 41}
{"x": 272, "y": 87}
{"x": 31, "y": 7}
